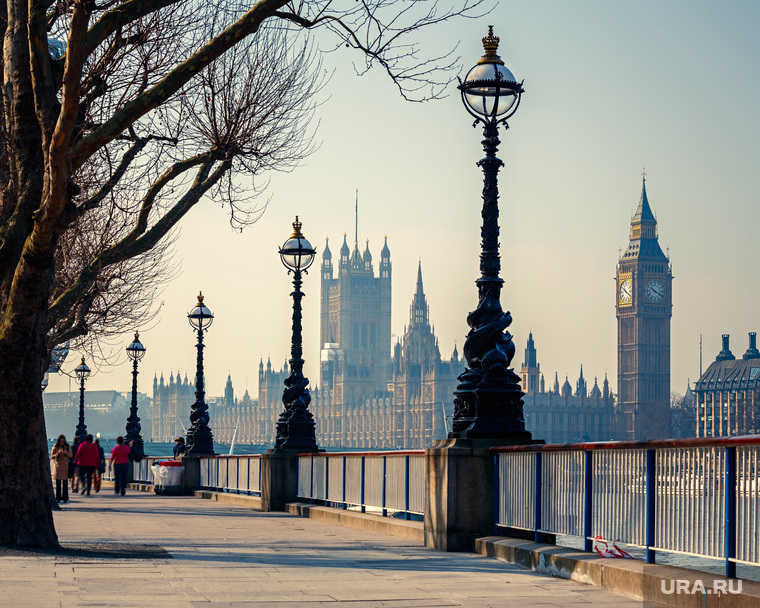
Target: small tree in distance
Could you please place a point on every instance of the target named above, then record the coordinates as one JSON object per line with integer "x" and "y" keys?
{"x": 117, "y": 118}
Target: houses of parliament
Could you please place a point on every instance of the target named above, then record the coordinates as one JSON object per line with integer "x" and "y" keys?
{"x": 372, "y": 393}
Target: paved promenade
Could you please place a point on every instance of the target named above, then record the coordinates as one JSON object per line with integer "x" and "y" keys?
{"x": 147, "y": 551}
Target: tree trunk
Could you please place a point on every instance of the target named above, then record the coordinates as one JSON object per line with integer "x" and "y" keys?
{"x": 25, "y": 482}
{"x": 26, "y": 487}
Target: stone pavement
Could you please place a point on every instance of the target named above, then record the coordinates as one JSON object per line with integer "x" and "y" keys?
{"x": 149, "y": 551}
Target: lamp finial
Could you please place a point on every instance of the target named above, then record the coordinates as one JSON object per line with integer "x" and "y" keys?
{"x": 200, "y": 298}
{"x": 490, "y": 46}
{"x": 297, "y": 229}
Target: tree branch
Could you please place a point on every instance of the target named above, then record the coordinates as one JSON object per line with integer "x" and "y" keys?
{"x": 172, "y": 82}
{"x": 130, "y": 247}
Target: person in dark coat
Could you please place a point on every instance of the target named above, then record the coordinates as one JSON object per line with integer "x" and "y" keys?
{"x": 179, "y": 447}
{"x": 96, "y": 476}
{"x": 87, "y": 459}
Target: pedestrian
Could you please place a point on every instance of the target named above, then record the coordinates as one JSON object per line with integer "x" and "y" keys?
{"x": 87, "y": 459}
{"x": 120, "y": 464}
{"x": 73, "y": 468}
{"x": 101, "y": 467}
{"x": 61, "y": 455}
{"x": 179, "y": 447}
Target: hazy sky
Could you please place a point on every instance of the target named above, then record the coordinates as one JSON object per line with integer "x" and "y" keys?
{"x": 611, "y": 87}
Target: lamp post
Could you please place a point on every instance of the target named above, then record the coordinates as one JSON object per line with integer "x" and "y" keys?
{"x": 488, "y": 400}
{"x": 82, "y": 373}
{"x": 200, "y": 441}
{"x": 135, "y": 351}
{"x": 295, "y": 426}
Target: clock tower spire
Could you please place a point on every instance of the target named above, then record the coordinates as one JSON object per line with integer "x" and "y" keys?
{"x": 643, "y": 309}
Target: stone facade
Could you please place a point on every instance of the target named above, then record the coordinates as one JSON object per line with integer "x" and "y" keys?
{"x": 171, "y": 407}
{"x": 728, "y": 393}
{"x": 367, "y": 398}
{"x": 561, "y": 415}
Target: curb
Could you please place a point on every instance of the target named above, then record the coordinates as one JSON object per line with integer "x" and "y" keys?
{"x": 633, "y": 578}
{"x": 242, "y": 500}
{"x": 411, "y": 530}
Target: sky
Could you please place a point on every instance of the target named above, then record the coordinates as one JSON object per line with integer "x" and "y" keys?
{"x": 611, "y": 88}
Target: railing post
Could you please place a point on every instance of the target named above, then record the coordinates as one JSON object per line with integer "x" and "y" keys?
{"x": 496, "y": 495}
{"x": 406, "y": 488}
{"x": 261, "y": 460}
{"x": 363, "y": 507}
{"x": 298, "y": 477}
{"x": 385, "y": 511}
{"x": 345, "y": 505}
{"x": 311, "y": 482}
{"x": 537, "y": 505}
{"x": 237, "y": 476}
{"x": 248, "y": 477}
{"x": 651, "y": 500}
{"x": 588, "y": 501}
{"x": 730, "y": 492}
{"x": 327, "y": 480}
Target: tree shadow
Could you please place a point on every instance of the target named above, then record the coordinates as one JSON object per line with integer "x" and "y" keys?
{"x": 91, "y": 552}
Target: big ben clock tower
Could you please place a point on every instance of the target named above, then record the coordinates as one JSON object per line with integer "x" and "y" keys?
{"x": 643, "y": 309}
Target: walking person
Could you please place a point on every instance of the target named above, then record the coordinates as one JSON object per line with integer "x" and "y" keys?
{"x": 74, "y": 470}
{"x": 87, "y": 459}
{"x": 96, "y": 479}
{"x": 61, "y": 455}
{"x": 120, "y": 463}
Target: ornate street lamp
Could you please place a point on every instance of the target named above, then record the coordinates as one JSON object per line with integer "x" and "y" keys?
{"x": 82, "y": 373}
{"x": 295, "y": 426}
{"x": 135, "y": 351}
{"x": 488, "y": 400}
{"x": 200, "y": 441}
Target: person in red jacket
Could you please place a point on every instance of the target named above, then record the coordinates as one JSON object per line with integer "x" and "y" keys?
{"x": 87, "y": 459}
{"x": 120, "y": 463}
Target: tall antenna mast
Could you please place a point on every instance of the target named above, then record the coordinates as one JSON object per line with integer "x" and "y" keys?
{"x": 700, "y": 355}
{"x": 356, "y": 233}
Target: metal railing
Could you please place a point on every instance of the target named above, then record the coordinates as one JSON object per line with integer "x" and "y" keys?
{"x": 697, "y": 497}
{"x": 142, "y": 472}
{"x": 235, "y": 474}
{"x": 387, "y": 483}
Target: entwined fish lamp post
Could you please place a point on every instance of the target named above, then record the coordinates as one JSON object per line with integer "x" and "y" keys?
{"x": 295, "y": 426}
{"x": 82, "y": 372}
{"x": 135, "y": 351}
{"x": 488, "y": 400}
{"x": 200, "y": 441}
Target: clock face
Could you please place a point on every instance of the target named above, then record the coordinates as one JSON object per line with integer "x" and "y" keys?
{"x": 655, "y": 291}
{"x": 626, "y": 291}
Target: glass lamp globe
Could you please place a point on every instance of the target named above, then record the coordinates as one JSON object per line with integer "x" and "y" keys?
{"x": 490, "y": 90}
{"x": 136, "y": 350}
{"x": 82, "y": 371}
{"x": 297, "y": 253}
{"x": 200, "y": 317}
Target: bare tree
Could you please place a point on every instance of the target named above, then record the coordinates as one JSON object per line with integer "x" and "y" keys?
{"x": 117, "y": 118}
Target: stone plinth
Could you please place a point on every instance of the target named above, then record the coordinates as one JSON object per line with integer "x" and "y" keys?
{"x": 279, "y": 479}
{"x": 191, "y": 476}
{"x": 459, "y": 500}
